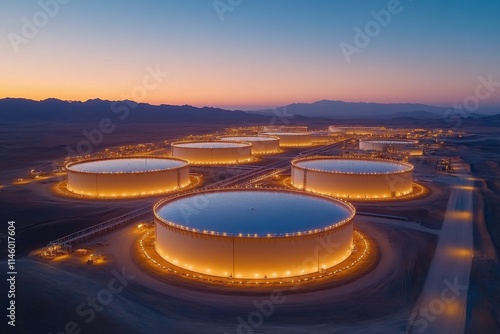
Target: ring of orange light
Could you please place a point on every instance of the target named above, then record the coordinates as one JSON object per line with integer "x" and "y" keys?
{"x": 299, "y": 279}
{"x": 330, "y": 177}
{"x": 285, "y": 128}
{"x": 122, "y": 178}
{"x": 282, "y": 242}
{"x": 360, "y": 130}
{"x": 419, "y": 191}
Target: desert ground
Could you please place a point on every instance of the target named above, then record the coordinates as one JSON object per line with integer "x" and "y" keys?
{"x": 51, "y": 292}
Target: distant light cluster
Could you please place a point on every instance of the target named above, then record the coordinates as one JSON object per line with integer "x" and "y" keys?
{"x": 404, "y": 146}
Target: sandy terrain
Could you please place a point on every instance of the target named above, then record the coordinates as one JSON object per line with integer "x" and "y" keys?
{"x": 484, "y": 291}
{"x": 395, "y": 284}
{"x": 51, "y": 291}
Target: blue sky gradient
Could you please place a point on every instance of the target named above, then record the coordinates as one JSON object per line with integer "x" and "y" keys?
{"x": 263, "y": 53}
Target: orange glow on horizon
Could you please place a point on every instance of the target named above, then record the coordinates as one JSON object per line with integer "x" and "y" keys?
{"x": 207, "y": 87}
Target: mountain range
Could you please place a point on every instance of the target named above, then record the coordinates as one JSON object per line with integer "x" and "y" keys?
{"x": 341, "y": 109}
{"x": 15, "y": 110}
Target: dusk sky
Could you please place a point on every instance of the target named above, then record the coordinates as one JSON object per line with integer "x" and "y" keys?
{"x": 259, "y": 53}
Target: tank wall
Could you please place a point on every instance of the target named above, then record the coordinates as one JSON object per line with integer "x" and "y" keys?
{"x": 358, "y": 131}
{"x": 366, "y": 145}
{"x": 127, "y": 184}
{"x": 184, "y": 176}
{"x": 418, "y": 150}
{"x": 297, "y": 177}
{"x": 322, "y": 139}
{"x": 284, "y": 128}
{"x": 212, "y": 155}
{"x": 291, "y": 256}
{"x": 82, "y": 183}
{"x": 261, "y": 147}
{"x": 334, "y": 129}
{"x": 295, "y": 140}
{"x": 254, "y": 257}
{"x": 366, "y": 132}
{"x": 353, "y": 185}
{"x": 200, "y": 253}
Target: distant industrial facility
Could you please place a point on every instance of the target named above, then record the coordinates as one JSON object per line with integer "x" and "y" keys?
{"x": 410, "y": 147}
{"x": 358, "y": 130}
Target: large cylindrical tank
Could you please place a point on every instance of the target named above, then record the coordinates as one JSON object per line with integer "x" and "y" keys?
{"x": 127, "y": 177}
{"x": 214, "y": 152}
{"x": 354, "y": 178}
{"x": 248, "y": 233}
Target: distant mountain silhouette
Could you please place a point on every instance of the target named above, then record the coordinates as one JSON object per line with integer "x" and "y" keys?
{"x": 54, "y": 110}
{"x": 13, "y": 110}
{"x": 340, "y": 109}
{"x": 490, "y": 120}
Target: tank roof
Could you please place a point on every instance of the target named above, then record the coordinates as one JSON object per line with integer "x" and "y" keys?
{"x": 389, "y": 142}
{"x": 211, "y": 144}
{"x": 286, "y": 133}
{"x": 354, "y": 166}
{"x": 255, "y": 212}
{"x": 126, "y": 165}
{"x": 250, "y": 138}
